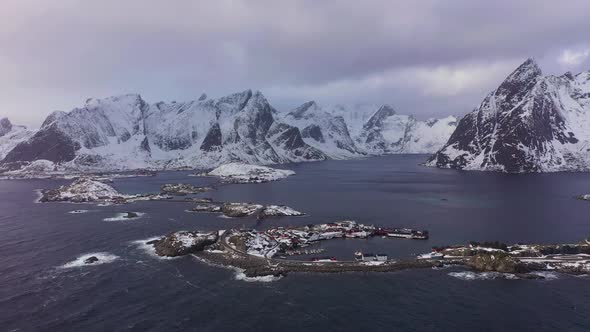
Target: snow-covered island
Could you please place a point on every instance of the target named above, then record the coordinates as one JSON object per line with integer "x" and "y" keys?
{"x": 246, "y": 173}
{"x": 183, "y": 243}
{"x": 85, "y": 190}
{"x": 238, "y": 210}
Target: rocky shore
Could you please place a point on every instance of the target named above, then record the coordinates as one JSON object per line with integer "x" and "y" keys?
{"x": 235, "y": 249}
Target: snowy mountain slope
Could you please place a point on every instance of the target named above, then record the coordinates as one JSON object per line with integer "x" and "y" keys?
{"x": 125, "y": 132}
{"x": 11, "y": 135}
{"x": 530, "y": 123}
{"x": 389, "y": 132}
{"x": 345, "y": 131}
{"x": 322, "y": 130}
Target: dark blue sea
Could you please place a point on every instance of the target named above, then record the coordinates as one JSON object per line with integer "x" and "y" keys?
{"x": 43, "y": 289}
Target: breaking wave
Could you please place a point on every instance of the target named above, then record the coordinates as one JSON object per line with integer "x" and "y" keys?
{"x": 469, "y": 275}
{"x": 103, "y": 258}
{"x": 123, "y": 217}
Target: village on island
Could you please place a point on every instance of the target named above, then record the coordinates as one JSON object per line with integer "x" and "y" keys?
{"x": 267, "y": 252}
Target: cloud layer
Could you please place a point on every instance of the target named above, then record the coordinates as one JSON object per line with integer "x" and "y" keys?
{"x": 429, "y": 58}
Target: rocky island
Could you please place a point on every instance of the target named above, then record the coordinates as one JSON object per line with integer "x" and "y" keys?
{"x": 181, "y": 189}
{"x": 246, "y": 173}
{"x": 239, "y": 210}
{"x": 256, "y": 253}
{"x": 86, "y": 190}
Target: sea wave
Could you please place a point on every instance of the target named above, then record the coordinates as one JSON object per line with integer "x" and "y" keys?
{"x": 469, "y": 275}
{"x": 150, "y": 249}
{"x": 103, "y": 258}
{"x": 123, "y": 217}
{"x": 78, "y": 211}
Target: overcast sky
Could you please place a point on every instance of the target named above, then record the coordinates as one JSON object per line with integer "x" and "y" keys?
{"x": 427, "y": 58}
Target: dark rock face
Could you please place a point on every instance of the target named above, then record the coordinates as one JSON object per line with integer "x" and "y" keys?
{"x": 203, "y": 97}
{"x": 315, "y": 132}
{"x": 130, "y": 215}
{"x": 212, "y": 141}
{"x": 184, "y": 243}
{"x": 145, "y": 145}
{"x": 91, "y": 260}
{"x": 5, "y": 126}
{"x": 520, "y": 127}
{"x": 48, "y": 143}
{"x": 289, "y": 140}
{"x": 376, "y": 121}
{"x": 497, "y": 262}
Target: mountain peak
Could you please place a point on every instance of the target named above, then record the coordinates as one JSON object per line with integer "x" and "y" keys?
{"x": 526, "y": 71}
{"x": 5, "y": 126}
{"x": 300, "y": 111}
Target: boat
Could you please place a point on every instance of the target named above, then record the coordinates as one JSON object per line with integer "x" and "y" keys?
{"x": 408, "y": 233}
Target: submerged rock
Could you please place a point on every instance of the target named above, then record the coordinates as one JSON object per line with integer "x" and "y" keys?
{"x": 130, "y": 215}
{"x": 184, "y": 243}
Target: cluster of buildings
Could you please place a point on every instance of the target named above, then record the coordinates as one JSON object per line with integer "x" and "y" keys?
{"x": 281, "y": 239}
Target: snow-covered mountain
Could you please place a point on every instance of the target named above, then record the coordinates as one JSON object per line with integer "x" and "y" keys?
{"x": 349, "y": 130}
{"x": 388, "y": 132}
{"x": 11, "y": 135}
{"x": 125, "y": 132}
{"x": 322, "y": 130}
{"x": 530, "y": 123}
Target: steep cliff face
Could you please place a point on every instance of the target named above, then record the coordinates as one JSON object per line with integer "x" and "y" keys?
{"x": 530, "y": 123}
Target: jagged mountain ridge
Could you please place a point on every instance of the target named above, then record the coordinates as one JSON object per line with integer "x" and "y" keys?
{"x": 11, "y": 135}
{"x": 530, "y": 123}
{"x": 125, "y": 132}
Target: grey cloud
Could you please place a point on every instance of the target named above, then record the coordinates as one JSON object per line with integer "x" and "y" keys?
{"x": 56, "y": 54}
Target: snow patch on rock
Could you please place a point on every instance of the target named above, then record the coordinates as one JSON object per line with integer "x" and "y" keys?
{"x": 245, "y": 173}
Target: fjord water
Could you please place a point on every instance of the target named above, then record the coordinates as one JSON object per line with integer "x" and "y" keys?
{"x": 137, "y": 291}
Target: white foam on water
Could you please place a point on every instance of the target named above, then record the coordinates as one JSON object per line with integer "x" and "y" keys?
{"x": 103, "y": 258}
{"x": 548, "y": 275}
{"x": 469, "y": 275}
{"x": 123, "y": 217}
{"x": 240, "y": 275}
{"x": 149, "y": 248}
{"x": 39, "y": 196}
{"x": 78, "y": 211}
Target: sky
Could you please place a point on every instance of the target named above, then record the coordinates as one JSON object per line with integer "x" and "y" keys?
{"x": 426, "y": 58}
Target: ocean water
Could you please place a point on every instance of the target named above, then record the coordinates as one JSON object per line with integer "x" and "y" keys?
{"x": 44, "y": 286}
